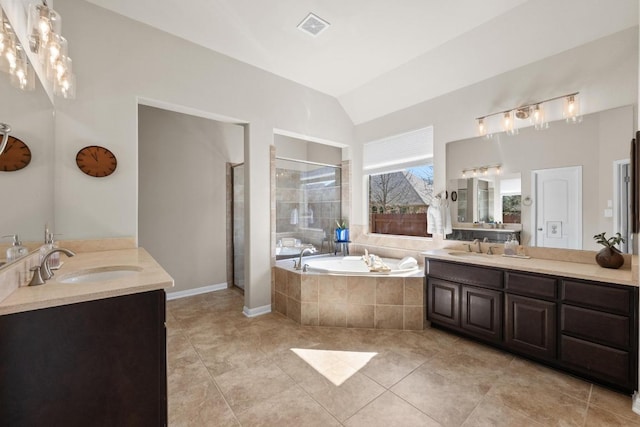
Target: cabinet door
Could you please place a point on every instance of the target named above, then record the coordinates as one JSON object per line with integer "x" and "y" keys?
{"x": 443, "y": 302}
{"x": 530, "y": 326}
{"x": 481, "y": 313}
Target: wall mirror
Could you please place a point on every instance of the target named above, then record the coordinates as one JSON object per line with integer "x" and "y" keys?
{"x": 27, "y": 193}
{"x": 597, "y": 147}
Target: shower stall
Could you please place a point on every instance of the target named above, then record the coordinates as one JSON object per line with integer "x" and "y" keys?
{"x": 308, "y": 205}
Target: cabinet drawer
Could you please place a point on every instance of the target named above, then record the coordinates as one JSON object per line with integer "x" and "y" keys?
{"x": 606, "y": 328}
{"x": 609, "y": 298}
{"x": 467, "y": 274}
{"x": 605, "y": 363}
{"x": 529, "y": 284}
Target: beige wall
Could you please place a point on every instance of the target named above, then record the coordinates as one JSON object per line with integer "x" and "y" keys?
{"x": 118, "y": 62}
{"x": 299, "y": 149}
{"x": 593, "y": 144}
{"x": 182, "y": 193}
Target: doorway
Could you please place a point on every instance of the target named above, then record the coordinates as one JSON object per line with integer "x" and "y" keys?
{"x": 622, "y": 202}
{"x": 557, "y": 221}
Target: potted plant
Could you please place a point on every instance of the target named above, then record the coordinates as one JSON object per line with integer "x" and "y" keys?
{"x": 609, "y": 256}
{"x": 342, "y": 232}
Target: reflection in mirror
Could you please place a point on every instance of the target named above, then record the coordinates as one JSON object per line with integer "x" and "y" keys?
{"x": 491, "y": 200}
{"x": 599, "y": 145}
{"x": 27, "y": 193}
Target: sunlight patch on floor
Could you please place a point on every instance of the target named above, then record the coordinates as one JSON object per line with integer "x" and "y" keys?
{"x": 335, "y": 365}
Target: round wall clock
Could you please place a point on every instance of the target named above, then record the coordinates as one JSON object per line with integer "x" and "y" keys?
{"x": 15, "y": 156}
{"x": 96, "y": 161}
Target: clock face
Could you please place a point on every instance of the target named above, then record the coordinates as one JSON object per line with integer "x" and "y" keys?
{"x": 15, "y": 156}
{"x": 96, "y": 161}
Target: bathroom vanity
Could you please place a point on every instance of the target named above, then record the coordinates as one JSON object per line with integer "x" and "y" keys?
{"x": 89, "y": 353}
{"x": 583, "y": 326}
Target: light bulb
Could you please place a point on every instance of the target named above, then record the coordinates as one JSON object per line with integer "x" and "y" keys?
{"x": 538, "y": 118}
{"x": 482, "y": 129}
{"x": 571, "y": 110}
{"x": 464, "y": 174}
{"x": 507, "y": 123}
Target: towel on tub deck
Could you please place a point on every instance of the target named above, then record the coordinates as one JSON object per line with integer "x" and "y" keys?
{"x": 407, "y": 262}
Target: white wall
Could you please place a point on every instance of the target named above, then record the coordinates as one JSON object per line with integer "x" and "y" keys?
{"x": 299, "y": 149}
{"x": 605, "y": 72}
{"x": 118, "y": 60}
{"x": 182, "y": 219}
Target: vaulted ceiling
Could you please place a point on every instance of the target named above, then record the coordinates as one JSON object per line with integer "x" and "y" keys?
{"x": 380, "y": 56}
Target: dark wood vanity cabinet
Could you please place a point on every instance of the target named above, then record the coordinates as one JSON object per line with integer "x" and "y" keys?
{"x": 584, "y": 327}
{"x": 469, "y": 300}
{"x": 530, "y": 314}
{"x": 599, "y": 333}
{"x": 99, "y": 363}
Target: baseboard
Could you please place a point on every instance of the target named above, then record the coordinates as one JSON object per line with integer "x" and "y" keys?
{"x": 258, "y": 311}
{"x": 196, "y": 291}
{"x": 636, "y": 402}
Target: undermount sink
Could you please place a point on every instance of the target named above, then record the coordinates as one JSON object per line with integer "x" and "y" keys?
{"x": 100, "y": 274}
{"x": 465, "y": 254}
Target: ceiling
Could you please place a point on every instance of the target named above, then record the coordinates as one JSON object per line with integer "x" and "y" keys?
{"x": 379, "y": 56}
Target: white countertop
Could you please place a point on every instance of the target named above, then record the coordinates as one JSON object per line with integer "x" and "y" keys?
{"x": 622, "y": 276}
{"x": 53, "y": 293}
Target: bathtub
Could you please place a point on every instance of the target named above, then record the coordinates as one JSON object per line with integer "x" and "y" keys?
{"x": 353, "y": 266}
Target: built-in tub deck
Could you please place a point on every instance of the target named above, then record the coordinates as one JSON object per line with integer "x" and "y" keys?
{"x": 350, "y": 300}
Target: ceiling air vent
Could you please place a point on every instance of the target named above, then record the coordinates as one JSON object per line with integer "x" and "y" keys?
{"x": 313, "y": 25}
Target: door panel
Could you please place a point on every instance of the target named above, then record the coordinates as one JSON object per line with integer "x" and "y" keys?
{"x": 481, "y": 312}
{"x": 558, "y": 211}
{"x": 531, "y": 326}
{"x": 443, "y": 302}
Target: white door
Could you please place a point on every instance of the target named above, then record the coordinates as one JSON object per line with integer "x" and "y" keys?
{"x": 558, "y": 207}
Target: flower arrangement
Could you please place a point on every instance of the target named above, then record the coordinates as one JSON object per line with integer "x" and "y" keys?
{"x": 341, "y": 225}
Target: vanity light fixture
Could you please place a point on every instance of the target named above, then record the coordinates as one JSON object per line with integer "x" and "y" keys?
{"x": 45, "y": 39}
{"x": 534, "y": 113}
{"x": 14, "y": 58}
{"x": 485, "y": 170}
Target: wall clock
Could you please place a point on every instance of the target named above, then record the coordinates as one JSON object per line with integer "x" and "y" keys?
{"x": 96, "y": 161}
{"x": 15, "y": 156}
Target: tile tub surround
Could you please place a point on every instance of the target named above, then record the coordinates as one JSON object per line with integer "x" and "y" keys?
{"x": 379, "y": 302}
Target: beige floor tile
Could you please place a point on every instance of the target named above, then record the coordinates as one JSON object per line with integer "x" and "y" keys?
{"x": 532, "y": 375}
{"x": 448, "y": 402}
{"x": 292, "y": 407}
{"x": 179, "y": 347}
{"x": 182, "y": 373}
{"x": 343, "y": 400}
{"x": 390, "y": 410}
{"x": 598, "y": 417}
{"x": 226, "y": 357}
{"x": 612, "y": 401}
{"x": 245, "y": 387}
{"x": 200, "y": 405}
{"x": 544, "y": 405}
{"x": 389, "y": 367}
{"x": 462, "y": 365}
{"x": 491, "y": 414}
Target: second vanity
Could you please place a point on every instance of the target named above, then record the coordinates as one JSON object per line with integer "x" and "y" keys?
{"x": 86, "y": 353}
{"x": 572, "y": 316}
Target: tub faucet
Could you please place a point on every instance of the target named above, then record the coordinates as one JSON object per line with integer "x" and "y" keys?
{"x": 479, "y": 245}
{"x": 42, "y": 273}
{"x": 298, "y": 266}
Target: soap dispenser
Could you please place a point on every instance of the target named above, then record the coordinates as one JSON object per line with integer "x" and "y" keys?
{"x": 16, "y": 250}
{"x": 54, "y": 259}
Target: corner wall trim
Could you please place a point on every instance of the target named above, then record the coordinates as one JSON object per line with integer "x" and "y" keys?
{"x": 258, "y": 311}
{"x": 636, "y": 402}
{"x": 196, "y": 291}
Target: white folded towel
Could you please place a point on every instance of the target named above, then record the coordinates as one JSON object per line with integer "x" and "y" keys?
{"x": 407, "y": 262}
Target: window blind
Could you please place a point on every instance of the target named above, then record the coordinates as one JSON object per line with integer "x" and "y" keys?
{"x": 399, "y": 151}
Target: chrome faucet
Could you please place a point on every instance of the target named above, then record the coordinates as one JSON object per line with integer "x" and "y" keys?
{"x": 42, "y": 273}
{"x": 479, "y": 245}
{"x": 491, "y": 248}
{"x": 298, "y": 266}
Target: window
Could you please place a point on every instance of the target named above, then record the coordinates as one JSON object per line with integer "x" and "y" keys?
{"x": 400, "y": 173}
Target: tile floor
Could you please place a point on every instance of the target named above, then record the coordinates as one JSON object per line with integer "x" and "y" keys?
{"x": 228, "y": 370}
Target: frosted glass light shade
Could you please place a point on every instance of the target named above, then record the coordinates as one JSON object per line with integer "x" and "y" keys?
{"x": 538, "y": 117}
{"x": 508, "y": 124}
